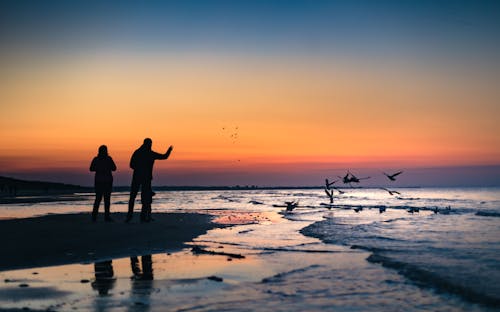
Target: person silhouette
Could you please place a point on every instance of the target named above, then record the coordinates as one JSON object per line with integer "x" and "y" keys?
{"x": 142, "y": 162}
{"x": 102, "y": 165}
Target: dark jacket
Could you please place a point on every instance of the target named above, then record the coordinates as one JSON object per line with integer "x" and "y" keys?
{"x": 142, "y": 162}
{"x": 103, "y": 166}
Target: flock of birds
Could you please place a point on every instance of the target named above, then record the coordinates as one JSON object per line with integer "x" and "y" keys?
{"x": 232, "y": 132}
{"x": 349, "y": 178}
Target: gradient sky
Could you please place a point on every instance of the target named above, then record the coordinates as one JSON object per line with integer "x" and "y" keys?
{"x": 313, "y": 88}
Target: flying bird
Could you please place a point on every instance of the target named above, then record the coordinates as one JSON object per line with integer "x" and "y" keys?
{"x": 328, "y": 183}
{"x": 345, "y": 179}
{"x": 393, "y": 176}
{"x": 390, "y": 192}
{"x": 291, "y": 205}
{"x": 233, "y": 133}
{"x": 351, "y": 178}
{"x": 356, "y": 179}
{"x": 330, "y": 195}
{"x": 339, "y": 190}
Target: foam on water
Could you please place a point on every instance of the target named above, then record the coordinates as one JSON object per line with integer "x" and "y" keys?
{"x": 457, "y": 252}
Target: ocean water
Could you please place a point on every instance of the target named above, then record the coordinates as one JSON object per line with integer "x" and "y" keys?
{"x": 347, "y": 257}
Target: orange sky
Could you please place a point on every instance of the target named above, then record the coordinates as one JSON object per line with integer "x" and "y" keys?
{"x": 288, "y": 110}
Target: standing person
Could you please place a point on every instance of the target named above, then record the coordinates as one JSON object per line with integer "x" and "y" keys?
{"x": 102, "y": 165}
{"x": 142, "y": 162}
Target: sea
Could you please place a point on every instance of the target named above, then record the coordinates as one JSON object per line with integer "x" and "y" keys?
{"x": 424, "y": 249}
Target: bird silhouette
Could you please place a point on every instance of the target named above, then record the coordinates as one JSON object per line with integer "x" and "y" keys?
{"x": 328, "y": 183}
{"x": 330, "y": 195}
{"x": 351, "y": 178}
{"x": 338, "y": 190}
{"x": 291, "y": 205}
{"x": 393, "y": 176}
{"x": 345, "y": 179}
{"x": 413, "y": 209}
{"x": 356, "y": 179}
{"x": 390, "y": 192}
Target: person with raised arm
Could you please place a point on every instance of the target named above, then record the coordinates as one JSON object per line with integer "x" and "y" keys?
{"x": 142, "y": 162}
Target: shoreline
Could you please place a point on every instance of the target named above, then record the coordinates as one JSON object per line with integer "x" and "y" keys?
{"x": 73, "y": 238}
{"x": 37, "y": 199}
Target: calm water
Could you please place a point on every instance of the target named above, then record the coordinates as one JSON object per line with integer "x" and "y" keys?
{"x": 449, "y": 261}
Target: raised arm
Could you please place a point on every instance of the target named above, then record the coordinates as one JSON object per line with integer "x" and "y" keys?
{"x": 163, "y": 156}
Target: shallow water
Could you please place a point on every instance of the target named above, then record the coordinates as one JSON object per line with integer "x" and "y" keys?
{"x": 418, "y": 262}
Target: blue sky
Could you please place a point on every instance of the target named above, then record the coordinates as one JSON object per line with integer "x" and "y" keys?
{"x": 360, "y": 27}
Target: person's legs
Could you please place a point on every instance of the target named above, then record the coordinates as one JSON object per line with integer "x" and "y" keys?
{"x": 146, "y": 199}
{"x": 136, "y": 270}
{"x": 147, "y": 267}
{"x": 97, "y": 202}
{"x": 107, "y": 202}
{"x": 134, "y": 189}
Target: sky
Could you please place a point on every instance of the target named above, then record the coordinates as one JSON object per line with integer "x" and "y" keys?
{"x": 252, "y": 92}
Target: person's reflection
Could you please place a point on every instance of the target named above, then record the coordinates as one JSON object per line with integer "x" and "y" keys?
{"x": 144, "y": 274}
{"x": 104, "y": 277}
{"x": 142, "y": 280}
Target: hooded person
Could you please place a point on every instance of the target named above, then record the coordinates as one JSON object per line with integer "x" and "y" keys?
{"x": 103, "y": 166}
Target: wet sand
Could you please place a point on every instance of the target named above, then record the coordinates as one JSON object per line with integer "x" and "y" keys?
{"x": 64, "y": 239}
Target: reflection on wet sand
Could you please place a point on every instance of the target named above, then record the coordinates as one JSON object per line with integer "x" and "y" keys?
{"x": 104, "y": 277}
{"x": 147, "y": 268}
{"x": 142, "y": 281}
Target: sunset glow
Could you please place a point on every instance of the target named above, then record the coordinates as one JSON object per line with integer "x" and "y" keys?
{"x": 294, "y": 110}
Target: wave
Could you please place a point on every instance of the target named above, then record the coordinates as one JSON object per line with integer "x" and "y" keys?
{"x": 279, "y": 277}
{"x": 488, "y": 214}
{"x": 425, "y": 277}
{"x": 428, "y": 258}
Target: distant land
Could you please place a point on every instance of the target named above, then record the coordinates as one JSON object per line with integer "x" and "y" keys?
{"x": 24, "y": 191}
{"x": 11, "y": 187}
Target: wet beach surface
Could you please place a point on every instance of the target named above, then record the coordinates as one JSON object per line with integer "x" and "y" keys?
{"x": 284, "y": 266}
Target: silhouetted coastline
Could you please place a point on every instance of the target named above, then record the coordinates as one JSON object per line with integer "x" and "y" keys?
{"x": 11, "y": 187}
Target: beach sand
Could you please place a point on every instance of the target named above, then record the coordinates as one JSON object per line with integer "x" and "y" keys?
{"x": 64, "y": 239}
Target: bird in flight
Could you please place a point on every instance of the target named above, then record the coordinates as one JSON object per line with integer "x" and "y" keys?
{"x": 393, "y": 176}
{"x": 351, "y": 178}
{"x": 328, "y": 183}
{"x": 330, "y": 195}
{"x": 291, "y": 205}
{"x": 390, "y": 192}
{"x": 338, "y": 190}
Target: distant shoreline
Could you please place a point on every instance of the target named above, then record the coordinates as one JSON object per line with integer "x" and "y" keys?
{"x": 24, "y": 191}
{"x": 35, "y": 199}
